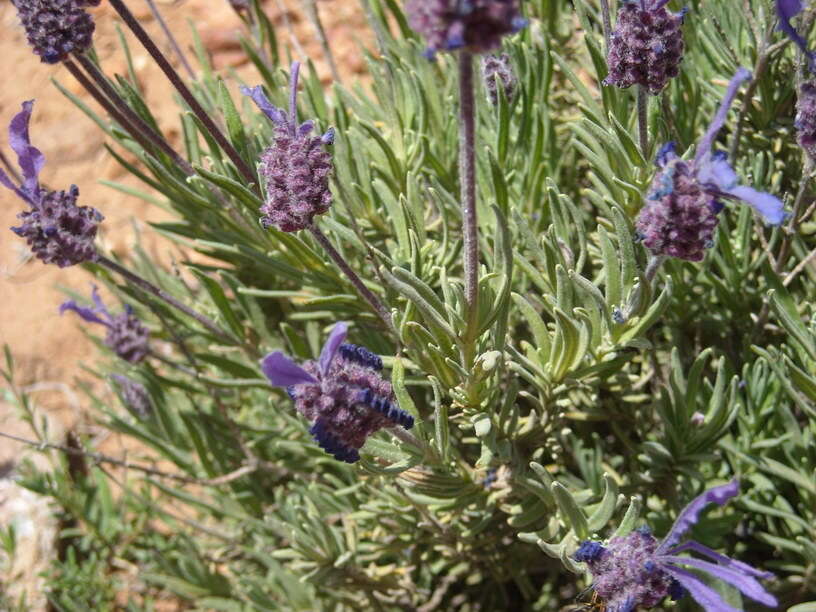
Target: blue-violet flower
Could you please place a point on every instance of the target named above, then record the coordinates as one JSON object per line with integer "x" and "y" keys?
{"x": 685, "y": 197}
{"x": 637, "y": 570}
{"x": 126, "y": 336}
{"x": 497, "y": 71}
{"x": 343, "y": 394}
{"x": 56, "y": 28}
{"x": 646, "y": 46}
{"x": 295, "y": 167}
{"x": 474, "y": 25}
{"x": 57, "y": 230}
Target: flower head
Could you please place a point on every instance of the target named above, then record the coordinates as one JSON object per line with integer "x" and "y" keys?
{"x": 57, "y": 230}
{"x": 680, "y": 214}
{"x": 56, "y": 28}
{"x": 126, "y": 335}
{"x": 296, "y": 167}
{"x": 638, "y": 570}
{"x": 134, "y": 396}
{"x": 474, "y": 25}
{"x": 646, "y": 46}
{"x": 497, "y": 71}
{"x": 343, "y": 394}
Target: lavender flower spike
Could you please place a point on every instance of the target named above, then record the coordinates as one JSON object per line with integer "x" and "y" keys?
{"x": 295, "y": 167}
{"x": 637, "y": 570}
{"x": 57, "y": 230}
{"x": 680, "y": 214}
{"x": 342, "y": 393}
{"x": 646, "y": 46}
{"x": 497, "y": 72}
{"x": 56, "y": 28}
{"x": 787, "y": 10}
{"x": 476, "y": 26}
{"x": 126, "y": 335}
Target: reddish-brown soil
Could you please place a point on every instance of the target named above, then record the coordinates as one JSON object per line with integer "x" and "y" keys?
{"x": 48, "y": 349}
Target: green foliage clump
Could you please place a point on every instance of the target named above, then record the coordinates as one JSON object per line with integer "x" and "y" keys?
{"x": 589, "y": 397}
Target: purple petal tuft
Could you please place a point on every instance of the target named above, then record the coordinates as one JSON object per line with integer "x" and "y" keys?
{"x": 335, "y": 339}
{"x": 701, "y": 592}
{"x": 747, "y": 585}
{"x": 263, "y": 103}
{"x": 704, "y": 146}
{"x": 767, "y": 205}
{"x": 89, "y": 314}
{"x": 30, "y": 159}
{"x": 691, "y": 513}
{"x": 283, "y": 372}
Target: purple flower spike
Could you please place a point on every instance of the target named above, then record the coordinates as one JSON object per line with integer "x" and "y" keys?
{"x": 126, "y": 335}
{"x": 497, "y": 71}
{"x": 646, "y": 46}
{"x": 295, "y": 167}
{"x": 57, "y": 230}
{"x": 342, "y": 394}
{"x": 638, "y": 571}
{"x": 685, "y": 197}
{"x": 134, "y": 396}
{"x": 56, "y": 28}
{"x": 476, "y": 25}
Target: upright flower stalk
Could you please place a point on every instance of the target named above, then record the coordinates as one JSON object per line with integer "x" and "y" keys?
{"x": 466, "y": 27}
{"x": 467, "y": 186}
{"x": 295, "y": 169}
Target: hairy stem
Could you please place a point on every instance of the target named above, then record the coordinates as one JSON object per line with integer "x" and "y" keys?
{"x": 151, "y": 289}
{"x": 364, "y": 291}
{"x": 115, "y": 106}
{"x": 606, "y": 22}
{"x": 171, "y": 39}
{"x": 314, "y": 16}
{"x": 643, "y": 120}
{"x": 467, "y": 182}
{"x": 189, "y": 98}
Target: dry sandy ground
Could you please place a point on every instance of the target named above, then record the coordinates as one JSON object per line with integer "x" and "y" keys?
{"x": 50, "y": 349}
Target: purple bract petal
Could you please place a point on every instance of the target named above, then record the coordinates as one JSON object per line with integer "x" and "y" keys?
{"x": 769, "y": 206}
{"x": 701, "y": 592}
{"x": 29, "y": 158}
{"x": 721, "y": 559}
{"x": 335, "y": 339}
{"x": 787, "y": 10}
{"x": 691, "y": 513}
{"x": 747, "y": 585}
{"x": 283, "y": 372}
{"x": 704, "y": 146}
{"x": 89, "y": 314}
{"x": 263, "y": 103}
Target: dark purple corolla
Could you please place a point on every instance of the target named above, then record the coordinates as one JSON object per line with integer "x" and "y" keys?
{"x": 55, "y": 228}
{"x": 295, "y": 168}
{"x": 342, "y": 394}
{"x": 126, "y": 335}
{"x": 685, "y": 197}
{"x": 472, "y": 25}
{"x": 56, "y": 28}
{"x": 646, "y": 46}
{"x": 637, "y": 570}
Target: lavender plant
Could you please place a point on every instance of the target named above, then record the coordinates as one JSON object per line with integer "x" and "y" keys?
{"x": 502, "y": 272}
